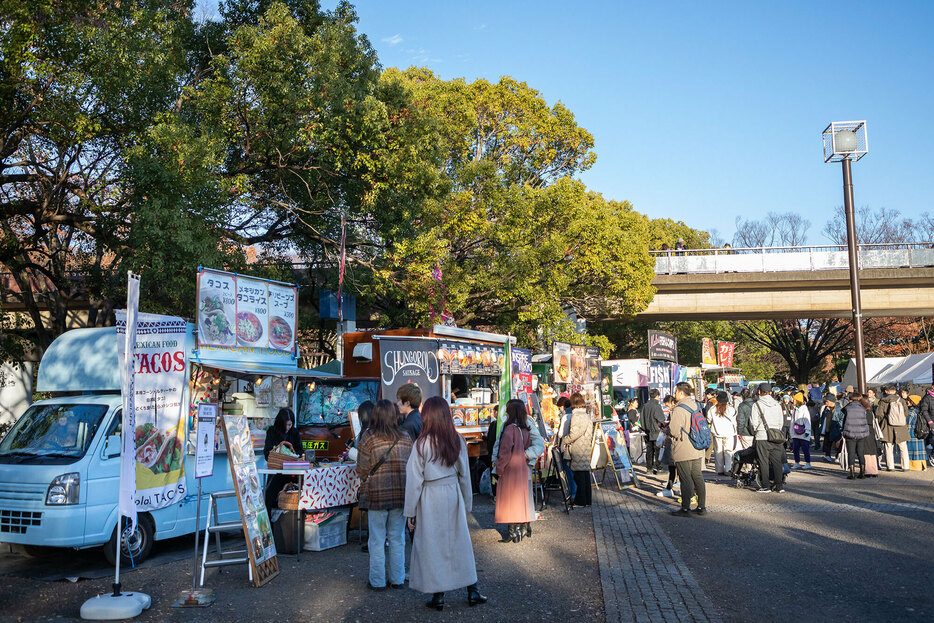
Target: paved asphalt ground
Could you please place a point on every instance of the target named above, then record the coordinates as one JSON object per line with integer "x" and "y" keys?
{"x": 827, "y": 550}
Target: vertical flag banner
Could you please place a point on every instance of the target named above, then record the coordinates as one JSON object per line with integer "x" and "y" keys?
{"x": 708, "y": 353}
{"x": 505, "y": 388}
{"x": 725, "y": 350}
{"x": 127, "y": 501}
{"x": 154, "y": 437}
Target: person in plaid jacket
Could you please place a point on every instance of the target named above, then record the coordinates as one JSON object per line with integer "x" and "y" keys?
{"x": 381, "y": 464}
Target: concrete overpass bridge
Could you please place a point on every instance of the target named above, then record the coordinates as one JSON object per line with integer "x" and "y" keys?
{"x": 790, "y": 282}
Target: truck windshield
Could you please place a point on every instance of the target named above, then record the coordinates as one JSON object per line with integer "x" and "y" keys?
{"x": 58, "y": 430}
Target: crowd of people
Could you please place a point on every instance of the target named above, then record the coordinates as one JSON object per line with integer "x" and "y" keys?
{"x": 760, "y": 425}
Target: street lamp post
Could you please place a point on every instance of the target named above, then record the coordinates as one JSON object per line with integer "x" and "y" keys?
{"x": 846, "y": 141}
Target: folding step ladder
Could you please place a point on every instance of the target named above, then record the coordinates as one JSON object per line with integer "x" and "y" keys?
{"x": 213, "y": 526}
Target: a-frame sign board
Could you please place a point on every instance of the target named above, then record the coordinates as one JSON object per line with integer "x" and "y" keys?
{"x": 256, "y": 525}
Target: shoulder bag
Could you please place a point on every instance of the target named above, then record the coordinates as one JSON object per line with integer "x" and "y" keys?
{"x": 773, "y": 435}
{"x": 380, "y": 462}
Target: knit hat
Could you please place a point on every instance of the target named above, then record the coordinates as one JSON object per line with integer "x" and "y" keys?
{"x": 799, "y": 398}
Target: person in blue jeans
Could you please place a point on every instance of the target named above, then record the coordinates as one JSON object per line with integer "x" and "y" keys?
{"x": 381, "y": 464}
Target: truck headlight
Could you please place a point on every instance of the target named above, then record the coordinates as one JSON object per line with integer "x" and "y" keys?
{"x": 64, "y": 490}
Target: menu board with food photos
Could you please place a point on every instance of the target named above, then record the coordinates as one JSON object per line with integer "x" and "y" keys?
{"x": 234, "y": 310}
{"x": 469, "y": 358}
{"x": 575, "y": 364}
{"x": 256, "y": 525}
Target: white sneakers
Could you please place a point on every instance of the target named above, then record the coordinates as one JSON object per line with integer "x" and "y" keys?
{"x": 799, "y": 466}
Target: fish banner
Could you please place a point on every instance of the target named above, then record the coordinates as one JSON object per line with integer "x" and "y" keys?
{"x": 158, "y": 428}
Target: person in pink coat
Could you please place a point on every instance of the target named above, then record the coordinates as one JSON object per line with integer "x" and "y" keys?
{"x": 512, "y": 489}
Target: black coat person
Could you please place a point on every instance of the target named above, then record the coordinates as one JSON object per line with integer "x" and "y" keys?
{"x": 283, "y": 429}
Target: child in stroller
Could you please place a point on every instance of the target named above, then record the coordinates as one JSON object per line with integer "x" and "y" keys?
{"x": 745, "y": 469}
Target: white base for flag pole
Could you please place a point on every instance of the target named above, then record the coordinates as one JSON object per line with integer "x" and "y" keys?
{"x": 115, "y": 607}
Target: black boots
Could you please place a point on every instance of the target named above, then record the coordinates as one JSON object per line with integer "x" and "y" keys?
{"x": 437, "y": 601}
{"x": 526, "y": 529}
{"x": 473, "y": 596}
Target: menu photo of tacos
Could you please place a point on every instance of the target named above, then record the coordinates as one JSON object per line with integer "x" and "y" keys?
{"x": 157, "y": 450}
{"x": 216, "y": 319}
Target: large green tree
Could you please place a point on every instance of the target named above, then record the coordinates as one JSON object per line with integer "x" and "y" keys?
{"x": 518, "y": 239}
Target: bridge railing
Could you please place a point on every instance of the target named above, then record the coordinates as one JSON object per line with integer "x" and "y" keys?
{"x": 779, "y": 259}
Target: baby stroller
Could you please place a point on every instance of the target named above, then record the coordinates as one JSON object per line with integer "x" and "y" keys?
{"x": 745, "y": 469}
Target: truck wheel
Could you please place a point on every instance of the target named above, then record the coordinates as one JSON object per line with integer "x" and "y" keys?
{"x": 134, "y": 549}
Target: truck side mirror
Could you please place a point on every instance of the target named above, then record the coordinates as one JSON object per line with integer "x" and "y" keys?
{"x": 113, "y": 447}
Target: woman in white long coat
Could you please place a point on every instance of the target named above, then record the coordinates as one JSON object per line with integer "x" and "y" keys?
{"x": 438, "y": 497}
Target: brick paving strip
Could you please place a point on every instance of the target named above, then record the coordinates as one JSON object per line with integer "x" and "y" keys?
{"x": 826, "y": 507}
{"x": 644, "y": 577}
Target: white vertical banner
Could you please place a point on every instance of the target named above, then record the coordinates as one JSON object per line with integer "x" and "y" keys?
{"x": 127, "y": 500}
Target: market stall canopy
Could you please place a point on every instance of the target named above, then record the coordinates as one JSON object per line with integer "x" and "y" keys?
{"x": 254, "y": 369}
{"x": 873, "y": 366}
{"x": 913, "y": 369}
{"x": 81, "y": 360}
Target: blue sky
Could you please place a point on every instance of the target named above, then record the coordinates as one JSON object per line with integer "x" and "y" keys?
{"x": 703, "y": 111}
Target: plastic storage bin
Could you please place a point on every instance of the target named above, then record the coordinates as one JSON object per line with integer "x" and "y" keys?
{"x": 332, "y": 533}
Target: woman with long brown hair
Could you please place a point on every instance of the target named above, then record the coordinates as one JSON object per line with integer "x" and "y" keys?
{"x": 438, "y": 496}
{"x": 381, "y": 465}
{"x": 512, "y": 493}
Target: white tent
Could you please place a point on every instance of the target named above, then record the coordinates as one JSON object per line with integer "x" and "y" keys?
{"x": 873, "y": 366}
{"x": 913, "y": 369}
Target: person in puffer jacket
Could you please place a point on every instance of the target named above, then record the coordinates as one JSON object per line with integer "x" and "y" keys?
{"x": 855, "y": 430}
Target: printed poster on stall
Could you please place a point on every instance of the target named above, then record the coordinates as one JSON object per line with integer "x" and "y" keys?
{"x": 660, "y": 377}
{"x": 725, "y": 350}
{"x": 409, "y": 361}
{"x": 561, "y": 362}
{"x": 708, "y": 353}
{"x": 204, "y": 444}
{"x": 239, "y": 311}
{"x": 159, "y": 435}
{"x": 663, "y": 346}
{"x": 521, "y": 371}
{"x": 255, "y": 518}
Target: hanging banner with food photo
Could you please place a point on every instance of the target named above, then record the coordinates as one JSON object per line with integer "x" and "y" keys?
{"x": 708, "y": 353}
{"x": 561, "y": 362}
{"x": 252, "y": 312}
{"x": 160, "y": 427}
{"x": 521, "y": 372}
{"x": 235, "y": 311}
{"x": 283, "y": 311}
{"x": 217, "y": 309}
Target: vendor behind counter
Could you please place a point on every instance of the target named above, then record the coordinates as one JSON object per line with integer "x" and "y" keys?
{"x": 282, "y": 430}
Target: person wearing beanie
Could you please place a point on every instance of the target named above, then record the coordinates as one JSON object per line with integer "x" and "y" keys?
{"x": 801, "y": 432}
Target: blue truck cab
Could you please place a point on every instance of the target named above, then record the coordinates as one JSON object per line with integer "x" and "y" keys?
{"x": 60, "y": 462}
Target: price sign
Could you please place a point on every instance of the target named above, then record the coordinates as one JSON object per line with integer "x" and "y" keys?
{"x": 252, "y": 312}
{"x": 204, "y": 446}
{"x": 283, "y": 305}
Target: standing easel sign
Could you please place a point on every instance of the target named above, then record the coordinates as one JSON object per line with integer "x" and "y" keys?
{"x": 256, "y": 525}
{"x": 619, "y": 453}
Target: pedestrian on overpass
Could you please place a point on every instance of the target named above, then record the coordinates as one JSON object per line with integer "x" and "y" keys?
{"x": 767, "y": 414}
{"x": 687, "y": 458}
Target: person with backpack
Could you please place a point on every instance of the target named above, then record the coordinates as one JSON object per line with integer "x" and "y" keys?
{"x": 892, "y": 415}
{"x": 833, "y": 426}
{"x": 690, "y": 437}
{"x": 767, "y": 419}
